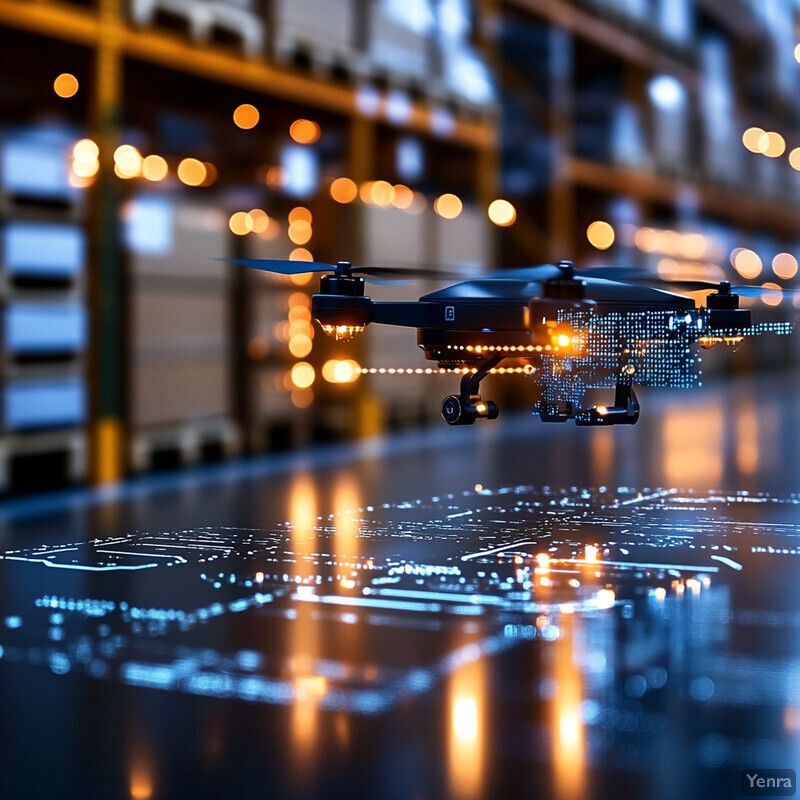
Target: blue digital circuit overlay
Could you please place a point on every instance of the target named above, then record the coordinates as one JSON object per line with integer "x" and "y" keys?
{"x": 652, "y": 348}
{"x": 472, "y": 574}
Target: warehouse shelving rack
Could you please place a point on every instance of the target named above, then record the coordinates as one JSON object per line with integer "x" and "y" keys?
{"x": 578, "y": 188}
{"x": 117, "y": 48}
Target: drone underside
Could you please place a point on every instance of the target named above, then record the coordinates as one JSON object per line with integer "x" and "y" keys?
{"x": 581, "y": 350}
{"x": 571, "y": 332}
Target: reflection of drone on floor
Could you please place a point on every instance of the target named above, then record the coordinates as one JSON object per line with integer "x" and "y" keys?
{"x": 573, "y": 332}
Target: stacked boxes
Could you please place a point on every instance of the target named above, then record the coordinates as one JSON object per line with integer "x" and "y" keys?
{"x": 399, "y": 40}
{"x": 319, "y": 31}
{"x": 44, "y": 335}
{"x": 669, "y": 108}
{"x": 181, "y": 346}
{"x": 723, "y": 146}
{"x": 609, "y": 131}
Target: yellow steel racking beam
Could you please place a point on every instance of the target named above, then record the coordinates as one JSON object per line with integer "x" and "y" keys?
{"x": 106, "y": 435}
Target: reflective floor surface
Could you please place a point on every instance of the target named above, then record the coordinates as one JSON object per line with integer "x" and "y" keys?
{"x": 508, "y": 610}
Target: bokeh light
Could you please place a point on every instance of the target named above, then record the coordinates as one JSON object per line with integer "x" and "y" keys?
{"x": 241, "y": 223}
{"x": 336, "y": 370}
{"x": 600, "y": 235}
{"x": 127, "y": 161}
{"x": 344, "y": 190}
{"x": 300, "y": 345}
{"x": 211, "y": 174}
{"x": 773, "y": 294}
{"x": 300, "y": 232}
{"x": 747, "y": 263}
{"x": 85, "y": 169}
{"x": 300, "y": 254}
{"x": 381, "y": 193}
{"x": 154, "y": 168}
{"x": 751, "y": 138}
{"x": 402, "y": 196}
{"x": 85, "y": 148}
{"x": 300, "y": 214}
{"x": 192, "y": 172}
{"x": 85, "y": 158}
{"x": 302, "y": 375}
{"x": 784, "y": 265}
{"x": 246, "y": 116}
{"x": 65, "y": 85}
{"x": 771, "y": 144}
{"x": 502, "y": 213}
{"x": 302, "y": 398}
{"x": 261, "y": 220}
{"x": 448, "y": 206}
{"x": 304, "y": 131}
{"x": 275, "y": 177}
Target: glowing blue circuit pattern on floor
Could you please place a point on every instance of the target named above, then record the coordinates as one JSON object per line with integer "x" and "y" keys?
{"x": 519, "y": 566}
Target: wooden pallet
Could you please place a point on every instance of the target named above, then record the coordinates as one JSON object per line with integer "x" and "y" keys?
{"x": 184, "y": 444}
{"x": 52, "y": 458}
{"x": 204, "y": 21}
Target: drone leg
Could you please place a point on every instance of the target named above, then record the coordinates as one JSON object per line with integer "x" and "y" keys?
{"x": 625, "y": 410}
{"x": 466, "y": 407}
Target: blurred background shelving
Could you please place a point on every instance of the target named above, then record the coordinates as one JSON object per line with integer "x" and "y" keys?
{"x": 650, "y": 133}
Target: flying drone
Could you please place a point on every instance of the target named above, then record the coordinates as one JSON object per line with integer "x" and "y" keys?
{"x": 573, "y": 331}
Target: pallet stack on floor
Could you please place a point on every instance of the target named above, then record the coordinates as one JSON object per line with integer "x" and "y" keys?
{"x": 181, "y": 374}
{"x": 44, "y": 334}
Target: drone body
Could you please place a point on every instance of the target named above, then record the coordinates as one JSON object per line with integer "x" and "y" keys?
{"x": 571, "y": 332}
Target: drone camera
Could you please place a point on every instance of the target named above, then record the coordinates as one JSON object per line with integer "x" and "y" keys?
{"x": 455, "y": 411}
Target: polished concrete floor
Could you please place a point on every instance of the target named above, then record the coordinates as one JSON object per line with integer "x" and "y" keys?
{"x": 505, "y": 610}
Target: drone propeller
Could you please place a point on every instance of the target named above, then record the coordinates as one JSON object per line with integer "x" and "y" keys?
{"x": 608, "y": 273}
{"x": 721, "y": 287}
{"x": 394, "y": 275}
{"x": 389, "y": 275}
{"x": 344, "y": 268}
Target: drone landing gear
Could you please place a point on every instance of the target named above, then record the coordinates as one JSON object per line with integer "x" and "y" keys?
{"x": 466, "y": 407}
{"x": 625, "y": 410}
